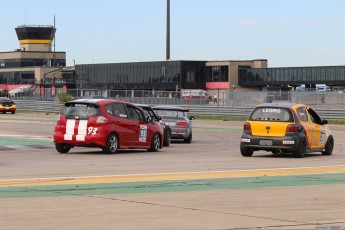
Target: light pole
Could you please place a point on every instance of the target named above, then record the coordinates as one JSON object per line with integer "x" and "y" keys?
{"x": 168, "y": 32}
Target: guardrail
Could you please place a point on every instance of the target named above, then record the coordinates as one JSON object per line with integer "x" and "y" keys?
{"x": 53, "y": 106}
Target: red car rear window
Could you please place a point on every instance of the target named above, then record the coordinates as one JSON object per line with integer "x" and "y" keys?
{"x": 81, "y": 110}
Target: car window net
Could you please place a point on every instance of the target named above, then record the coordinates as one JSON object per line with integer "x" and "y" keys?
{"x": 271, "y": 114}
{"x": 81, "y": 110}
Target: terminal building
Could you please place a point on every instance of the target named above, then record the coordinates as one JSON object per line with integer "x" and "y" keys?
{"x": 42, "y": 71}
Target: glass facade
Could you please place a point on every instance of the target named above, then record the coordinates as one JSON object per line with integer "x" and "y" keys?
{"x": 217, "y": 73}
{"x": 142, "y": 75}
{"x": 29, "y": 62}
{"x": 25, "y": 77}
{"x": 332, "y": 75}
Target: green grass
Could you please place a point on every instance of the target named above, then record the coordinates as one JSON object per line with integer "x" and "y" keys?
{"x": 336, "y": 122}
{"x": 220, "y": 118}
{"x": 34, "y": 111}
{"x": 226, "y": 118}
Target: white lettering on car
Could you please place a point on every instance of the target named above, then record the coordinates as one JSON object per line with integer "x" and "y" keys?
{"x": 91, "y": 131}
{"x": 271, "y": 110}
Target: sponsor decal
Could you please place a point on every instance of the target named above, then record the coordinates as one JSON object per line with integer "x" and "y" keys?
{"x": 288, "y": 142}
{"x": 271, "y": 110}
{"x": 245, "y": 140}
{"x": 143, "y": 133}
{"x": 323, "y": 136}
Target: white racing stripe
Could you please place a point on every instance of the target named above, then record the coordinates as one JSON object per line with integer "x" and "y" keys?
{"x": 70, "y": 124}
{"x": 82, "y": 130}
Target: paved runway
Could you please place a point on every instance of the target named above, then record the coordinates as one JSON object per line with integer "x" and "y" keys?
{"x": 203, "y": 185}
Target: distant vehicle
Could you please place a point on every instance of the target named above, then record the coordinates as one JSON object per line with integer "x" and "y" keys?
{"x": 165, "y": 128}
{"x": 107, "y": 124}
{"x": 194, "y": 94}
{"x": 318, "y": 87}
{"x": 178, "y": 120}
{"x": 7, "y": 105}
{"x": 286, "y": 128}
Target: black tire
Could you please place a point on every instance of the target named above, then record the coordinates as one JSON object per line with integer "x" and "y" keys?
{"x": 112, "y": 144}
{"x": 329, "y": 146}
{"x": 155, "y": 143}
{"x": 246, "y": 152}
{"x": 167, "y": 138}
{"x": 188, "y": 139}
{"x": 301, "y": 150}
{"x": 62, "y": 148}
{"x": 13, "y": 112}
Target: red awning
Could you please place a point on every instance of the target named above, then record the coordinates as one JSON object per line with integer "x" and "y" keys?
{"x": 11, "y": 87}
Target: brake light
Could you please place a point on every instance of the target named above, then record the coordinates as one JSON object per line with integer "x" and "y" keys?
{"x": 182, "y": 123}
{"x": 292, "y": 128}
{"x": 247, "y": 126}
{"x": 101, "y": 120}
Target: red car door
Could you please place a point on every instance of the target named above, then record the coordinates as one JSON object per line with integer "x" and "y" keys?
{"x": 120, "y": 123}
{"x": 138, "y": 136}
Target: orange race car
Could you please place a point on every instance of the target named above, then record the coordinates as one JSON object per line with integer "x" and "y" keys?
{"x": 286, "y": 128}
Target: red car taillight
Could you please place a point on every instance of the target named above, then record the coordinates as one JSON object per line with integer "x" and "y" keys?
{"x": 182, "y": 123}
{"x": 246, "y": 126}
{"x": 292, "y": 128}
{"x": 101, "y": 120}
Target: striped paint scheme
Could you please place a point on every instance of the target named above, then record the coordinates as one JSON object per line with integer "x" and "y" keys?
{"x": 71, "y": 125}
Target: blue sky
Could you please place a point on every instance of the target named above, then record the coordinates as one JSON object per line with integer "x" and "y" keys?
{"x": 287, "y": 33}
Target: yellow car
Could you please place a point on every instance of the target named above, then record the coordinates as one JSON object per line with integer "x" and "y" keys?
{"x": 7, "y": 105}
{"x": 286, "y": 128}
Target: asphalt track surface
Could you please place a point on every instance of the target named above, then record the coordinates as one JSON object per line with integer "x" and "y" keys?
{"x": 203, "y": 185}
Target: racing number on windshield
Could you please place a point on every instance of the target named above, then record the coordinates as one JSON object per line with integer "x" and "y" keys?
{"x": 91, "y": 131}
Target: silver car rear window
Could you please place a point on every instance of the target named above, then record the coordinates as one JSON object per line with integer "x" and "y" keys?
{"x": 169, "y": 113}
{"x": 271, "y": 114}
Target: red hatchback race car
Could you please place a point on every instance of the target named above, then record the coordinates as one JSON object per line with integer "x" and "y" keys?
{"x": 107, "y": 124}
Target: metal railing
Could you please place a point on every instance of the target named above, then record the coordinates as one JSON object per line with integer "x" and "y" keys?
{"x": 209, "y": 110}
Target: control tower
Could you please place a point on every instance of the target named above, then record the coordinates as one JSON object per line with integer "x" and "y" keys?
{"x": 35, "y": 38}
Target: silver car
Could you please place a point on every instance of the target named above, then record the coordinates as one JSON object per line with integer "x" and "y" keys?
{"x": 178, "y": 120}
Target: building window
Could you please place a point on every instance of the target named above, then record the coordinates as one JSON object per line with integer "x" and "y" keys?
{"x": 218, "y": 74}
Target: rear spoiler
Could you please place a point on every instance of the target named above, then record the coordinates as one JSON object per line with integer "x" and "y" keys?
{"x": 171, "y": 109}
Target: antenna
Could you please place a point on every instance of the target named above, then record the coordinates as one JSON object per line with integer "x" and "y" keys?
{"x": 25, "y": 16}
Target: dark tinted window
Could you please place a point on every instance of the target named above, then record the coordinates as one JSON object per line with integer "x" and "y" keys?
{"x": 116, "y": 110}
{"x": 81, "y": 110}
{"x": 271, "y": 114}
{"x": 5, "y": 99}
{"x": 134, "y": 113}
{"x": 150, "y": 112}
{"x": 314, "y": 116}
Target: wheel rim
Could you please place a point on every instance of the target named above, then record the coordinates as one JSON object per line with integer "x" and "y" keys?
{"x": 156, "y": 142}
{"x": 113, "y": 143}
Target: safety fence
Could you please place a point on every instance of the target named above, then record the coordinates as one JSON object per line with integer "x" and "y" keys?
{"x": 234, "y": 99}
{"x": 209, "y": 110}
